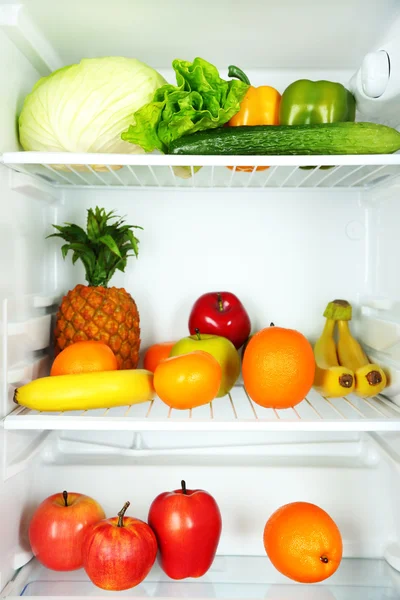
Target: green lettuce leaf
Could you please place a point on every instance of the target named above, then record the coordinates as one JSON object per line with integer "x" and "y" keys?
{"x": 200, "y": 100}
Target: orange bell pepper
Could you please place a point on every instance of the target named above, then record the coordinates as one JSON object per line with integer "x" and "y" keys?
{"x": 260, "y": 106}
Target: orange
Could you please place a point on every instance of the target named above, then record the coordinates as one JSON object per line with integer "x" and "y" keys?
{"x": 155, "y": 354}
{"x": 84, "y": 357}
{"x": 303, "y": 542}
{"x": 278, "y": 367}
{"x": 188, "y": 380}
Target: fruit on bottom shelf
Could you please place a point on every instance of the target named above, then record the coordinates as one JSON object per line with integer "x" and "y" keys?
{"x": 278, "y": 367}
{"x": 95, "y": 311}
{"x": 86, "y": 391}
{"x": 69, "y": 531}
{"x": 189, "y": 380}
{"x": 303, "y": 542}
{"x": 370, "y": 379}
{"x": 221, "y": 349}
{"x": 331, "y": 379}
{"x": 84, "y": 357}
{"x": 118, "y": 553}
{"x": 58, "y": 527}
{"x": 188, "y": 525}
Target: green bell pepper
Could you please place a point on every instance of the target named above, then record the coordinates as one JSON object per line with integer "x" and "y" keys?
{"x": 306, "y": 102}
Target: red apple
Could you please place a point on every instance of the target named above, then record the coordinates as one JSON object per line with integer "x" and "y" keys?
{"x": 187, "y": 524}
{"x": 119, "y": 552}
{"x": 221, "y": 313}
{"x": 57, "y": 529}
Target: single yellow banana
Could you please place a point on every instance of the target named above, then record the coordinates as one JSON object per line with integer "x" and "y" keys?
{"x": 370, "y": 377}
{"x": 370, "y": 380}
{"x": 331, "y": 379}
{"x": 86, "y": 391}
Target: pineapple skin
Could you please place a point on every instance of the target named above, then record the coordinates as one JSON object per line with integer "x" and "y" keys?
{"x": 98, "y": 313}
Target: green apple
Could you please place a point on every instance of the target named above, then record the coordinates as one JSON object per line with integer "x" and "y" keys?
{"x": 221, "y": 349}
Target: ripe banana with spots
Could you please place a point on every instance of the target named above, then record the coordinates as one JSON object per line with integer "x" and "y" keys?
{"x": 86, "y": 391}
{"x": 370, "y": 377}
{"x": 331, "y": 379}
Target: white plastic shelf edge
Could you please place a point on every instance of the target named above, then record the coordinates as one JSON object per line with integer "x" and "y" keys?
{"x": 235, "y": 412}
{"x": 66, "y": 170}
{"x": 83, "y": 158}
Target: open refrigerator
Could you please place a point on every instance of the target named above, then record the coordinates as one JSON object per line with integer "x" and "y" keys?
{"x": 285, "y": 240}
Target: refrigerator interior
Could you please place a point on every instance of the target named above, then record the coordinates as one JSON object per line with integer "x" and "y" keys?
{"x": 286, "y": 241}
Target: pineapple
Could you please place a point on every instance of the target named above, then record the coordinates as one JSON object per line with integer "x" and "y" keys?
{"x": 95, "y": 311}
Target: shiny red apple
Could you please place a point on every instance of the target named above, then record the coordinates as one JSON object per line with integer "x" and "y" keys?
{"x": 221, "y": 313}
{"x": 119, "y": 552}
{"x": 187, "y": 524}
{"x": 57, "y": 529}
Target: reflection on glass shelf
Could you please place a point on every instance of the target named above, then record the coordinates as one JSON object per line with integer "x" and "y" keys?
{"x": 230, "y": 578}
{"x": 225, "y": 591}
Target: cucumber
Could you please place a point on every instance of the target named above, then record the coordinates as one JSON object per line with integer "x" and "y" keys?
{"x": 326, "y": 138}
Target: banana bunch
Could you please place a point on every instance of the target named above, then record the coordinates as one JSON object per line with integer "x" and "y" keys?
{"x": 85, "y": 391}
{"x": 344, "y": 368}
{"x": 331, "y": 379}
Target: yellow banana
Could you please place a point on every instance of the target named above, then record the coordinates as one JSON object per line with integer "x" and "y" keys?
{"x": 370, "y": 378}
{"x": 331, "y": 379}
{"x": 350, "y": 352}
{"x": 86, "y": 391}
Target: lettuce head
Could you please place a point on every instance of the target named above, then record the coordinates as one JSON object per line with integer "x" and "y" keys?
{"x": 200, "y": 100}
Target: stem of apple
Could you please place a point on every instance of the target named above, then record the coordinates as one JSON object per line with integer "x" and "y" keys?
{"x": 197, "y": 332}
{"x": 121, "y": 514}
{"x": 183, "y": 484}
{"x": 65, "y": 496}
{"x": 220, "y": 303}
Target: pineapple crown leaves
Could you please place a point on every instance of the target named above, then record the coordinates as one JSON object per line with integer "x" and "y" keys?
{"x": 103, "y": 248}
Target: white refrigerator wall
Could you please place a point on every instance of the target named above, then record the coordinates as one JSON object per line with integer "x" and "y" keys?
{"x": 27, "y": 272}
{"x": 24, "y": 218}
{"x": 18, "y": 77}
{"x": 264, "y": 34}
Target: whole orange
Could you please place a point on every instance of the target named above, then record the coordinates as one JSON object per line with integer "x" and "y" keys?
{"x": 303, "y": 542}
{"x": 84, "y": 357}
{"x": 155, "y": 354}
{"x": 188, "y": 380}
{"x": 278, "y": 367}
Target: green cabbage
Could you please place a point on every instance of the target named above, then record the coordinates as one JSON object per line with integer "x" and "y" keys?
{"x": 201, "y": 100}
{"x": 85, "y": 107}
